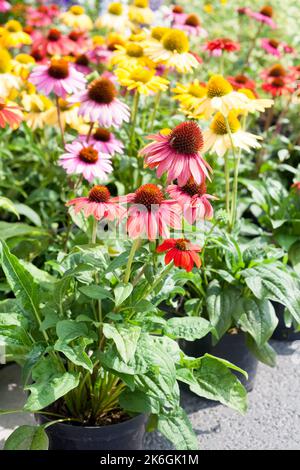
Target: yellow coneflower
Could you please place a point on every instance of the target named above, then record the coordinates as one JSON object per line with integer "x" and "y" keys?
{"x": 217, "y": 138}
{"x": 76, "y": 18}
{"x": 141, "y": 79}
{"x": 172, "y": 51}
{"x": 255, "y": 104}
{"x": 36, "y": 109}
{"x": 190, "y": 94}
{"x": 16, "y": 37}
{"x": 157, "y": 32}
{"x": 115, "y": 18}
{"x": 115, "y": 39}
{"x": 22, "y": 65}
{"x": 3, "y": 37}
{"x": 8, "y": 81}
{"x": 140, "y": 13}
{"x": 130, "y": 55}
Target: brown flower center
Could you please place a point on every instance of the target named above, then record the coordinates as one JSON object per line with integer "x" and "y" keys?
{"x": 99, "y": 194}
{"x": 102, "y": 91}
{"x": 267, "y": 11}
{"x": 192, "y": 20}
{"x": 37, "y": 55}
{"x": 102, "y": 135}
{"x": 278, "y": 82}
{"x": 274, "y": 43}
{"x": 148, "y": 195}
{"x": 241, "y": 79}
{"x": 134, "y": 50}
{"x": 59, "y": 69}
{"x": 88, "y": 155}
{"x": 82, "y": 60}
{"x": 74, "y": 36}
{"x": 54, "y": 35}
{"x": 192, "y": 188}
{"x": 182, "y": 244}
{"x": 277, "y": 71}
{"x": 177, "y": 9}
{"x": 186, "y": 138}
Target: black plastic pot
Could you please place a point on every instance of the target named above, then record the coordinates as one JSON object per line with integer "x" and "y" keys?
{"x": 127, "y": 435}
{"x": 282, "y": 332}
{"x": 231, "y": 347}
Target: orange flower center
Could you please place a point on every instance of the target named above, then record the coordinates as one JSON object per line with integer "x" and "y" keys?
{"x": 99, "y": 194}
{"x": 82, "y": 60}
{"x": 74, "y": 35}
{"x": 2, "y": 106}
{"x": 241, "y": 79}
{"x": 102, "y": 135}
{"x": 192, "y": 188}
{"x": 192, "y": 20}
{"x": 54, "y": 35}
{"x": 267, "y": 11}
{"x": 278, "y": 82}
{"x": 148, "y": 195}
{"x": 186, "y": 138}
{"x": 102, "y": 91}
{"x": 88, "y": 155}
{"x": 59, "y": 69}
{"x": 177, "y": 9}
{"x": 274, "y": 43}
{"x": 182, "y": 244}
{"x": 277, "y": 71}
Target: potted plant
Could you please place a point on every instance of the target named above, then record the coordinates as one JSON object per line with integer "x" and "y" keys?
{"x": 98, "y": 359}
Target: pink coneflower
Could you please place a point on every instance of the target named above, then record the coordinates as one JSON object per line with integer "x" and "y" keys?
{"x": 55, "y": 43}
{"x": 82, "y": 64}
{"x": 41, "y": 16}
{"x": 58, "y": 77}
{"x": 193, "y": 200}
{"x": 182, "y": 252}
{"x": 99, "y": 204}
{"x": 150, "y": 213}
{"x": 263, "y": 16}
{"x": 220, "y": 45}
{"x": 271, "y": 46}
{"x": 278, "y": 87}
{"x": 241, "y": 81}
{"x": 192, "y": 26}
{"x": 176, "y": 14}
{"x": 287, "y": 49}
{"x": 178, "y": 154}
{"x": 100, "y": 55}
{"x": 4, "y": 6}
{"x": 83, "y": 158}
{"x": 99, "y": 104}
{"x": 104, "y": 141}
{"x": 79, "y": 42}
{"x": 11, "y": 115}
{"x": 39, "y": 55}
{"x": 295, "y": 72}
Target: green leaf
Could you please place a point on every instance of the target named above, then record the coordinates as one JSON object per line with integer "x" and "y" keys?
{"x": 273, "y": 283}
{"x": 96, "y": 292}
{"x": 265, "y": 353}
{"x": 294, "y": 256}
{"x": 49, "y": 384}
{"x": 27, "y": 438}
{"x": 258, "y": 318}
{"x": 22, "y": 284}
{"x": 33, "y": 216}
{"x": 189, "y": 328}
{"x": 125, "y": 339}
{"x": 122, "y": 292}
{"x": 75, "y": 352}
{"x": 214, "y": 381}
{"x": 10, "y": 230}
{"x": 178, "y": 429}
{"x": 221, "y": 303}
{"x": 8, "y": 206}
{"x": 138, "y": 402}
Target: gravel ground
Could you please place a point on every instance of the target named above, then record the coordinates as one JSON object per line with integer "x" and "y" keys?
{"x": 272, "y": 422}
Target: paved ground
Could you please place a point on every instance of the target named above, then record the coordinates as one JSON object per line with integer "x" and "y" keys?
{"x": 272, "y": 422}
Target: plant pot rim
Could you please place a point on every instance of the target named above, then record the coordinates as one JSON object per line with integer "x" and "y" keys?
{"x": 74, "y": 424}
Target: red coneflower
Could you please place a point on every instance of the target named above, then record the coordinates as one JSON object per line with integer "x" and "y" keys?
{"x": 55, "y": 43}
{"x": 220, "y": 45}
{"x": 11, "y": 115}
{"x": 277, "y": 86}
{"x": 241, "y": 81}
{"x": 182, "y": 252}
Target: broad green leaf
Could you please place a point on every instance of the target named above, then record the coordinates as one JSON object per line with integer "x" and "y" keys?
{"x": 221, "y": 304}
{"x": 178, "y": 429}
{"x": 10, "y": 230}
{"x": 22, "y": 284}
{"x": 273, "y": 283}
{"x": 294, "y": 256}
{"x": 27, "y": 438}
{"x": 96, "y": 292}
{"x": 68, "y": 330}
{"x": 125, "y": 339}
{"x": 138, "y": 402}
{"x": 75, "y": 352}
{"x": 189, "y": 328}
{"x": 33, "y": 216}
{"x": 265, "y": 353}
{"x": 258, "y": 318}
{"x": 214, "y": 381}
{"x": 8, "y": 206}
{"x": 122, "y": 292}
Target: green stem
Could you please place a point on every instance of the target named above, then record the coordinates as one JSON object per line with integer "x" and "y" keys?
{"x": 227, "y": 183}
{"x": 135, "y": 245}
{"x": 134, "y": 114}
{"x": 162, "y": 275}
{"x": 153, "y": 115}
{"x": 94, "y": 232}
{"x": 59, "y": 121}
{"x": 235, "y": 188}
{"x": 252, "y": 45}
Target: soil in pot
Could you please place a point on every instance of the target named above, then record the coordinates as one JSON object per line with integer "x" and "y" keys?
{"x": 127, "y": 435}
{"x": 231, "y": 347}
{"x": 283, "y": 332}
